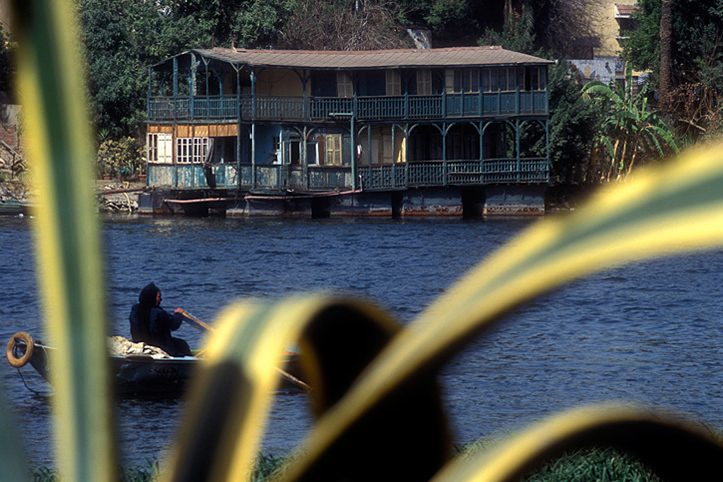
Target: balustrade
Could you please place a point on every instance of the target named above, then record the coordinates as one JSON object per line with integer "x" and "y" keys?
{"x": 211, "y": 108}
{"x": 378, "y": 177}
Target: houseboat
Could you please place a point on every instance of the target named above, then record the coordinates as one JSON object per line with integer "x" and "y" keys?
{"x": 456, "y": 131}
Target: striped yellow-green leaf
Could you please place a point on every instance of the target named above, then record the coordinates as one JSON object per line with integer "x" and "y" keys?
{"x": 675, "y": 207}
{"x": 231, "y": 394}
{"x": 58, "y": 137}
{"x": 675, "y": 450}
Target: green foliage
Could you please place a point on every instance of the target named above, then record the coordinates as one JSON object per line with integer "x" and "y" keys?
{"x": 573, "y": 121}
{"x": 122, "y": 38}
{"x": 642, "y": 48}
{"x": 593, "y": 465}
{"x": 629, "y": 128}
{"x": 131, "y": 474}
{"x": 573, "y": 125}
{"x": 7, "y": 64}
{"x": 696, "y": 42}
{"x": 122, "y": 159}
{"x": 517, "y": 33}
{"x": 451, "y": 22}
{"x": 696, "y": 60}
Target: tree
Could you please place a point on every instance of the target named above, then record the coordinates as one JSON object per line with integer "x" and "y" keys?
{"x": 343, "y": 25}
{"x": 7, "y": 64}
{"x": 573, "y": 125}
{"x": 452, "y": 22}
{"x": 696, "y": 58}
{"x": 665, "y": 51}
{"x": 123, "y": 37}
{"x": 629, "y": 128}
{"x": 573, "y": 121}
{"x": 517, "y": 32}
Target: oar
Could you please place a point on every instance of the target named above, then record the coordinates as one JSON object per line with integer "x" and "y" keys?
{"x": 196, "y": 323}
{"x": 203, "y": 326}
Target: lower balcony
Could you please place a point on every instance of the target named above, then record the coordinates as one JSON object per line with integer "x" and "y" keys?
{"x": 368, "y": 178}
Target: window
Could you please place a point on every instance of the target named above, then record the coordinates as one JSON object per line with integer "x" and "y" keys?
{"x": 344, "y": 85}
{"x": 394, "y": 83}
{"x": 502, "y": 79}
{"x": 387, "y": 149}
{"x": 466, "y": 80}
{"x": 191, "y": 149}
{"x": 470, "y": 80}
{"x": 424, "y": 82}
{"x": 323, "y": 84}
{"x": 512, "y": 75}
{"x": 535, "y": 78}
{"x": 502, "y": 82}
{"x": 160, "y": 148}
{"x": 333, "y": 150}
{"x": 484, "y": 80}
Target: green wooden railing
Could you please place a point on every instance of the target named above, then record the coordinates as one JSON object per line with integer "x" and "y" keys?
{"x": 233, "y": 108}
{"x": 398, "y": 176}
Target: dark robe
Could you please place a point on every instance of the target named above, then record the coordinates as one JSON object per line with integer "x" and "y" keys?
{"x": 152, "y": 324}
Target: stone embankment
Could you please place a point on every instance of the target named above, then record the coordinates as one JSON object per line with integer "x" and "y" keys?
{"x": 111, "y": 196}
{"x": 118, "y": 197}
{"x": 14, "y": 191}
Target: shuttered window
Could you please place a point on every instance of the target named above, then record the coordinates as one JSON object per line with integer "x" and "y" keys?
{"x": 344, "y": 85}
{"x": 394, "y": 83}
{"x": 424, "y": 82}
{"x": 160, "y": 148}
{"x": 333, "y": 150}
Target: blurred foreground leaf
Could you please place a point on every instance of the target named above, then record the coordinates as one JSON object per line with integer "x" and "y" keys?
{"x": 374, "y": 383}
{"x": 50, "y": 80}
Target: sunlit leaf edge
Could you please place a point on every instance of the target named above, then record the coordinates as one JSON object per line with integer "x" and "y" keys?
{"x": 638, "y": 219}
{"x": 68, "y": 241}
{"x": 252, "y": 335}
{"x": 628, "y": 427}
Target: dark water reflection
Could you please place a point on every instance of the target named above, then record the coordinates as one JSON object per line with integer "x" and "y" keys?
{"x": 648, "y": 332}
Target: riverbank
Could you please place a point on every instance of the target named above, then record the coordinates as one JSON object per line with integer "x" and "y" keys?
{"x": 111, "y": 196}
{"x": 584, "y": 465}
{"x": 118, "y": 196}
{"x": 123, "y": 196}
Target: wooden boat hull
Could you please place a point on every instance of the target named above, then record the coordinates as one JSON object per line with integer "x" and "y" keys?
{"x": 14, "y": 208}
{"x": 133, "y": 374}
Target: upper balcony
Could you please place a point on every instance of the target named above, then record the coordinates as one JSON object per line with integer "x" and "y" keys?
{"x": 237, "y": 108}
{"x": 231, "y": 85}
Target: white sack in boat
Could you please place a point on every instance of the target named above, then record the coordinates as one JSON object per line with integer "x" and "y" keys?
{"x": 117, "y": 345}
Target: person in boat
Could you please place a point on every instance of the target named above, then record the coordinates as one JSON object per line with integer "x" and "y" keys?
{"x": 152, "y": 324}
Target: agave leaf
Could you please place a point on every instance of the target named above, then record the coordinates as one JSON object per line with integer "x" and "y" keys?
{"x": 674, "y": 450}
{"x": 68, "y": 240}
{"x": 231, "y": 394}
{"x": 673, "y": 208}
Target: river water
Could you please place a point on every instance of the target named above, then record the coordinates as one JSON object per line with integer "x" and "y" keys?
{"x": 648, "y": 332}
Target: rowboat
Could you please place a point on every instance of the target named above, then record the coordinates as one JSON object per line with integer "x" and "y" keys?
{"x": 9, "y": 207}
{"x": 139, "y": 370}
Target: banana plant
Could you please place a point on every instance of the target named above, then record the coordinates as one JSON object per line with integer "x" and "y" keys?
{"x": 374, "y": 393}
{"x": 629, "y": 126}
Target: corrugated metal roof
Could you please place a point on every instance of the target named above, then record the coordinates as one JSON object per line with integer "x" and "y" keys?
{"x": 372, "y": 59}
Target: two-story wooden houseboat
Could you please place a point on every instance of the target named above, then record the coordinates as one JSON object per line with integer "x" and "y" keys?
{"x": 402, "y": 132}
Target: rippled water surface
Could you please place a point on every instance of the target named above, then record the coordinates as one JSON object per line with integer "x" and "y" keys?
{"x": 647, "y": 332}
